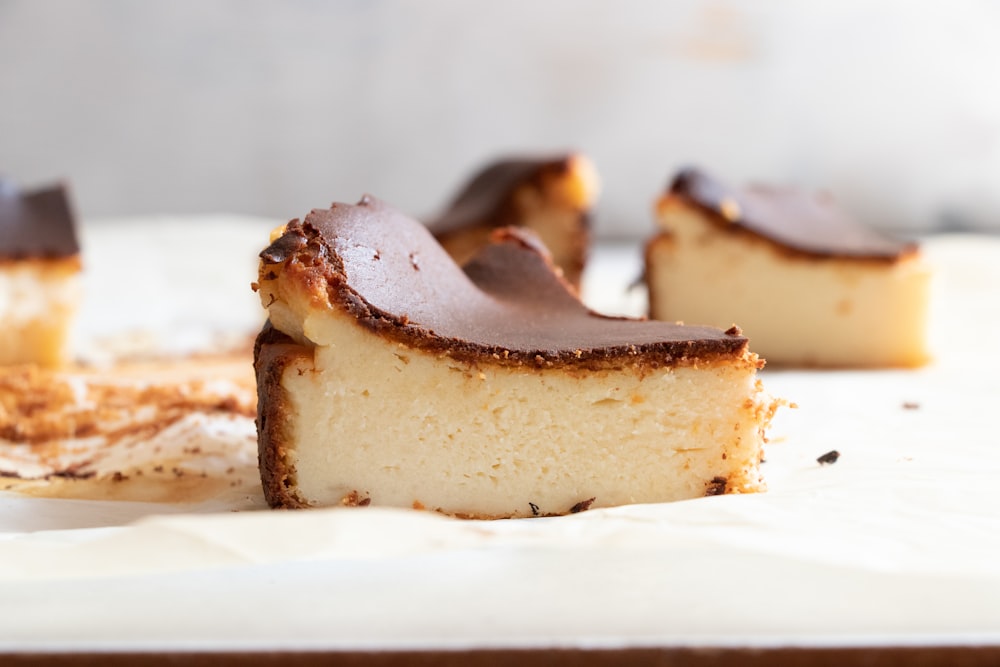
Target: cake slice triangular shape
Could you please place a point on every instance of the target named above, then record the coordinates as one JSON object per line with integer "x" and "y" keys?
{"x": 387, "y": 375}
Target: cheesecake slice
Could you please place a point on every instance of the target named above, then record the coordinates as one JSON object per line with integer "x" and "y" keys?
{"x": 387, "y": 375}
{"x": 807, "y": 283}
{"x": 551, "y": 197}
{"x": 39, "y": 275}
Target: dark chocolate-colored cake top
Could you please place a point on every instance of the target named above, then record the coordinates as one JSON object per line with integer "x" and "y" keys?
{"x": 487, "y": 198}
{"x": 36, "y": 224}
{"x": 508, "y": 302}
{"x": 809, "y": 223}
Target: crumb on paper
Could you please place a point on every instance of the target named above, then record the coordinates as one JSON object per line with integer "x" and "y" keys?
{"x": 139, "y": 429}
{"x": 829, "y": 458}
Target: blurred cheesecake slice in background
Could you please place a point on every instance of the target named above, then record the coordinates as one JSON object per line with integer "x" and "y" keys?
{"x": 551, "y": 196}
{"x": 39, "y": 275}
{"x": 808, "y": 284}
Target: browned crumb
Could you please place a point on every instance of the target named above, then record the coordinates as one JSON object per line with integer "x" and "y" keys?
{"x": 74, "y": 472}
{"x": 829, "y": 458}
{"x": 355, "y": 499}
{"x": 582, "y": 506}
{"x": 911, "y": 405}
{"x": 716, "y": 487}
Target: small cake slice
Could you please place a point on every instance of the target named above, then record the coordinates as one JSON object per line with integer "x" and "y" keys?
{"x": 387, "y": 375}
{"x": 39, "y": 275}
{"x": 552, "y": 197}
{"x": 807, "y": 283}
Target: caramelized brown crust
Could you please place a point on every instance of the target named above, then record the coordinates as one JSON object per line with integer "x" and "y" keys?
{"x": 512, "y": 193}
{"x": 509, "y": 307}
{"x": 273, "y": 353}
{"x": 791, "y": 220}
{"x": 37, "y": 225}
{"x": 487, "y": 199}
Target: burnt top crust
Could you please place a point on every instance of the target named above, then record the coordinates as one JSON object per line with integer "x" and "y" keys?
{"x": 487, "y": 198}
{"x": 36, "y": 225}
{"x": 808, "y": 223}
{"x": 508, "y": 303}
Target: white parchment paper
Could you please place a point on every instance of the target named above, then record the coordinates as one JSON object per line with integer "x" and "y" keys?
{"x": 896, "y": 543}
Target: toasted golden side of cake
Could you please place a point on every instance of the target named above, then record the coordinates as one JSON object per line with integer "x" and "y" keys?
{"x": 807, "y": 284}
{"x": 550, "y": 196}
{"x": 39, "y": 275}
{"x": 389, "y": 376}
{"x": 38, "y": 304}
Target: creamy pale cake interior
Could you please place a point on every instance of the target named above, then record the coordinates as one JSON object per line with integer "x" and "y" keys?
{"x": 39, "y": 275}
{"x": 807, "y": 283}
{"x": 387, "y": 375}
{"x": 550, "y": 196}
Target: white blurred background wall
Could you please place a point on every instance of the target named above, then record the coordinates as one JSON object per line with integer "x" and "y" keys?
{"x": 272, "y": 108}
